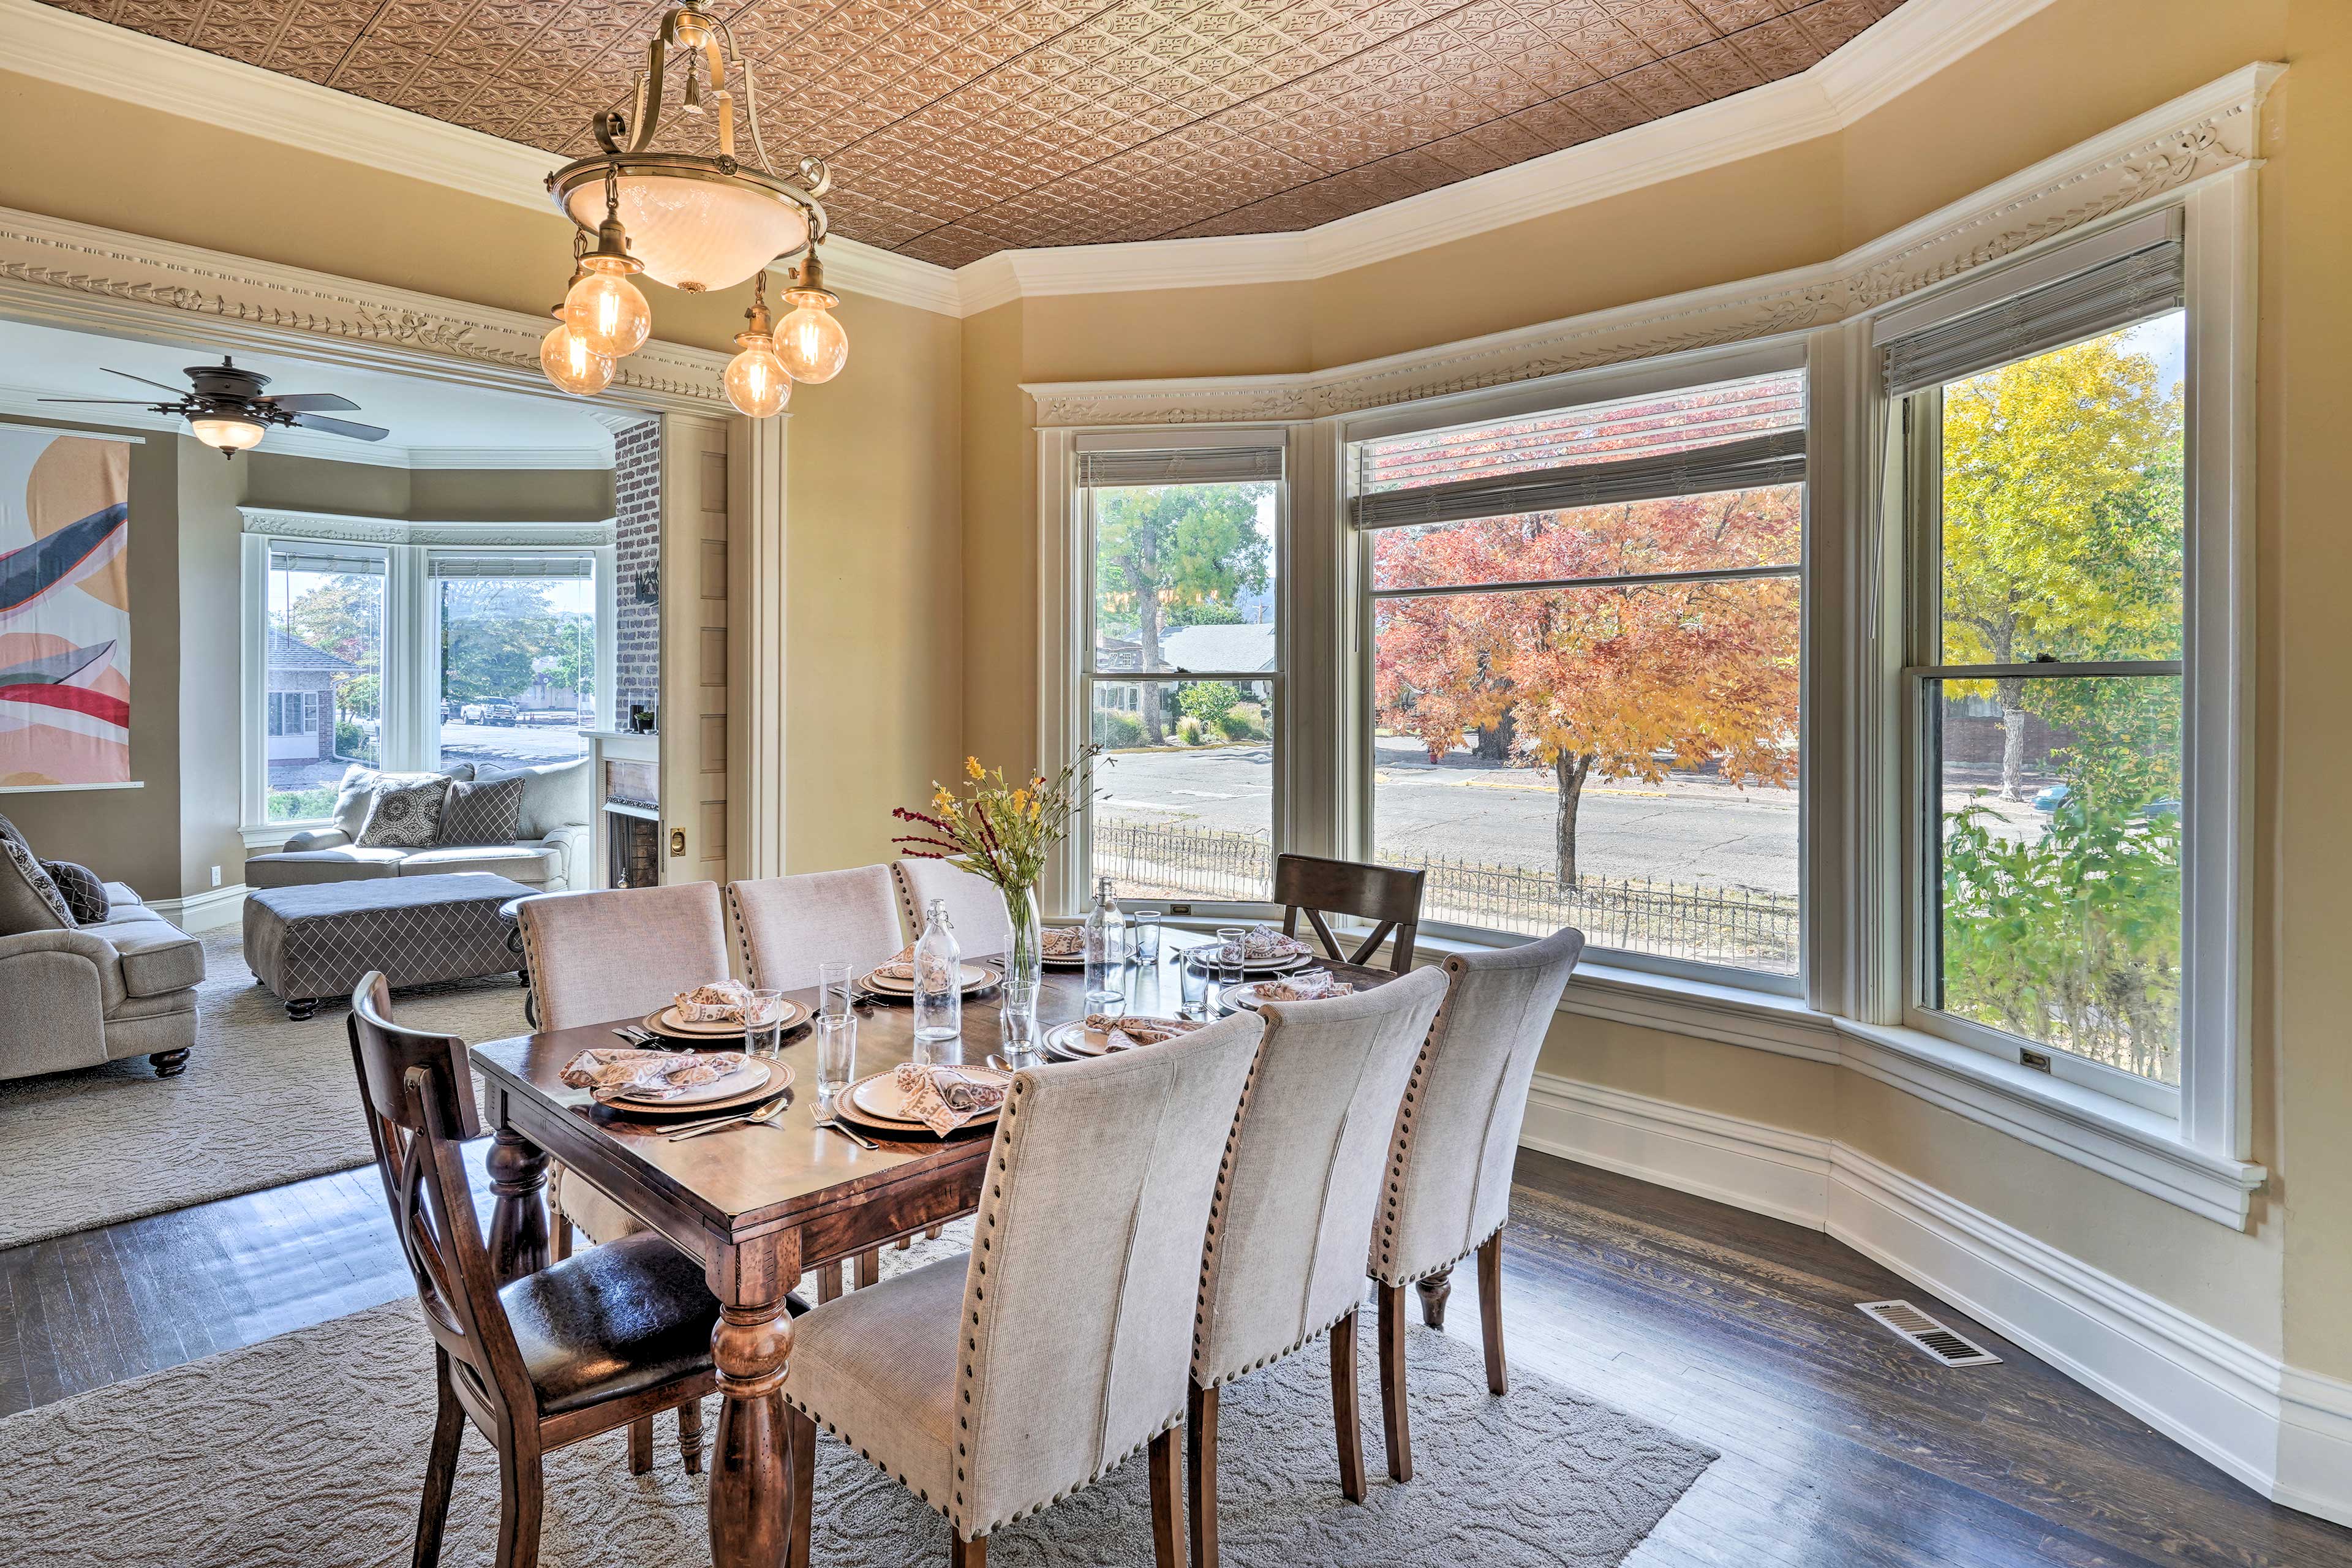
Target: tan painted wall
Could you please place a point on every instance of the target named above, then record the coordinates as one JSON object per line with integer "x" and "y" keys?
{"x": 2052, "y": 82}
{"x": 874, "y": 549}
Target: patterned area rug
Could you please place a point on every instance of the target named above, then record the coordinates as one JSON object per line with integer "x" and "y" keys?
{"x": 264, "y": 1101}
{"x": 307, "y": 1451}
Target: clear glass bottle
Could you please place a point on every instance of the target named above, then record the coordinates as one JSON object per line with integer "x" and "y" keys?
{"x": 1106, "y": 949}
{"x": 938, "y": 990}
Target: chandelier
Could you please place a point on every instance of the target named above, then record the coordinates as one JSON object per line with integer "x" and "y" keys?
{"x": 696, "y": 223}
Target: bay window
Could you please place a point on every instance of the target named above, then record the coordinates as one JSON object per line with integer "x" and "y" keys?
{"x": 323, "y": 675}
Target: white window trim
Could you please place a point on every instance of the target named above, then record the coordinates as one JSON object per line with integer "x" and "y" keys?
{"x": 409, "y": 736}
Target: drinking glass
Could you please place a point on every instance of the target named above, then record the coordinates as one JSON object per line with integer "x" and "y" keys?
{"x": 1230, "y": 954}
{"x": 837, "y": 1051}
{"x": 1194, "y": 969}
{"x": 833, "y": 988}
{"x": 763, "y": 1023}
{"x": 1017, "y": 1020}
{"x": 1143, "y": 937}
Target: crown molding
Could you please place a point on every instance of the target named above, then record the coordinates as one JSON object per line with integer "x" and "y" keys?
{"x": 346, "y": 527}
{"x": 2148, "y": 160}
{"x": 1881, "y": 63}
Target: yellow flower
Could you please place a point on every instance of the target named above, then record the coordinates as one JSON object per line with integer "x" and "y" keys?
{"x": 942, "y": 799}
{"x": 973, "y": 769}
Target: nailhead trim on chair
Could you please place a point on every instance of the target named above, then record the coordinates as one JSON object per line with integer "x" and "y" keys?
{"x": 1401, "y": 1152}
{"x": 1210, "y": 1258}
{"x": 742, "y": 937}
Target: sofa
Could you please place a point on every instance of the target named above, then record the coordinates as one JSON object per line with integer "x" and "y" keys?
{"x": 78, "y": 995}
{"x": 548, "y": 855}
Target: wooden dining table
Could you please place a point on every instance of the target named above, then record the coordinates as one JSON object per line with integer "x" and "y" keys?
{"x": 755, "y": 1205}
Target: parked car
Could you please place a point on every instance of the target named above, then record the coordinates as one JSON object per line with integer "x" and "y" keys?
{"x": 494, "y": 711}
{"x": 2050, "y": 797}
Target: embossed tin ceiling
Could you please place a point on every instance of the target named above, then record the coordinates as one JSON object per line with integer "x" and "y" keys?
{"x": 964, "y": 127}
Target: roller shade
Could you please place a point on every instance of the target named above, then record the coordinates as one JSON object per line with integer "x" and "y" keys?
{"x": 1755, "y": 462}
{"x": 332, "y": 558}
{"x": 2104, "y": 299}
{"x": 1182, "y": 466}
{"x": 531, "y": 563}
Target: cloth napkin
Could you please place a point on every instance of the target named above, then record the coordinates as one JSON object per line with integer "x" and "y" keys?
{"x": 1307, "y": 985}
{"x": 1126, "y": 1031}
{"x": 663, "y": 1075}
{"x": 720, "y": 1002}
{"x": 1062, "y": 941}
{"x": 902, "y": 967}
{"x": 1264, "y": 942}
{"x": 942, "y": 1098}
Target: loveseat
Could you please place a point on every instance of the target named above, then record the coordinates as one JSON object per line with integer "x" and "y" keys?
{"x": 546, "y": 856}
{"x": 78, "y": 996}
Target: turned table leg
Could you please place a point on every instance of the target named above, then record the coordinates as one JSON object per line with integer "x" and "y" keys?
{"x": 519, "y": 1235}
{"x": 1433, "y": 1292}
{"x": 751, "y": 1461}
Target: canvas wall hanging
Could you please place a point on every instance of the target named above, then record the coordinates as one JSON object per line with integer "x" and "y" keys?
{"x": 65, "y": 609}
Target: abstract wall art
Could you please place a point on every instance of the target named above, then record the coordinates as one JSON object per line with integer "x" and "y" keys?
{"x": 65, "y": 609}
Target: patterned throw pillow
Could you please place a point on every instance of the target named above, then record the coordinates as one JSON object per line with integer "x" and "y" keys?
{"x": 45, "y": 899}
{"x": 84, "y": 894}
{"x": 405, "y": 816}
{"x": 490, "y": 812}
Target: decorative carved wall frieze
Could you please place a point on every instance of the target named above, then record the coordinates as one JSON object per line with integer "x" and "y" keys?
{"x": 278, "y": 522}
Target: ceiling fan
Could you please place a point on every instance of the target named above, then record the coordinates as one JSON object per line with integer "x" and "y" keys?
{"x": 226, "y": 410}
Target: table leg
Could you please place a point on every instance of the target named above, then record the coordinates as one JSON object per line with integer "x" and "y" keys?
{"x": 517, "y": 1169}
{"x": 751, "y": 1466}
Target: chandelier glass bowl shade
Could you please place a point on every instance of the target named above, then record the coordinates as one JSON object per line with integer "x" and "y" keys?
{"x": 227, "y": 432}
{"x": 695, "y": 229}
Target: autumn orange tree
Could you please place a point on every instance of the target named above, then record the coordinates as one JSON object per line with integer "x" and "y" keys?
{"x": 1622, "y": 681}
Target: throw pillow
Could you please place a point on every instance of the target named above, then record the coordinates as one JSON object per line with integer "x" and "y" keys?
{"x": 405, "y": 817}
{"x": 356, "y": 794}
{"x": 84, "y": 894}
{"x": 490, "y": 812}
{"x": 29, "y": 899}
{"x": 553, "y": 796}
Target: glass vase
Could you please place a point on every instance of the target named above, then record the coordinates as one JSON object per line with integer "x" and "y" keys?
{"x": 1026, "y": 958}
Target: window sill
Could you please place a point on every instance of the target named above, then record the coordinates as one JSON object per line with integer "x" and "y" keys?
{"x": 2136, "y": 1147}
{"x": 272, "y": 835}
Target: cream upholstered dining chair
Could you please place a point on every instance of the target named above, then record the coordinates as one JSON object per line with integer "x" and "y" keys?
{"x": 1449, "y": 1181}
{"x": 789, "y": 925}
{"x": 974, "y": 904}
{"x": 1301, "y": 1188}
{"x": 992, "y": 1386}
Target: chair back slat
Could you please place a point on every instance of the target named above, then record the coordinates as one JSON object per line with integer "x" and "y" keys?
{"x": 1286, "y": 1255}
{"x": 417, "y": 1093}
{"x": 622, "y": 952}
{"x": 1389, "y": 895}
{"x": 787, "y": 926}
{"x": 983, "y": 926}
{"x": 1458, "y": 1136}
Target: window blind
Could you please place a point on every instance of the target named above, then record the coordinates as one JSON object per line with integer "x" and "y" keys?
{"x": 309, "y": 557}
{"x": 1754, "y": 462}
{"x": 532, "y": 564}
{"x": 1182, "y": 466}
{"x": 2106, "y": 298}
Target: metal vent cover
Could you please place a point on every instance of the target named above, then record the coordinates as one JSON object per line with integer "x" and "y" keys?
{"x": 1907, "y": 1322}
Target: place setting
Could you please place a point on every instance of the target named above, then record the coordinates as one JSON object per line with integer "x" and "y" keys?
{"x": 894, "y": 982}
{"x": 914, "y": 1099}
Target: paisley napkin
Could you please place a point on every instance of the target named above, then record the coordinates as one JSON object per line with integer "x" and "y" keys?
{"x": 1264, "y": 942}
{"x": 1126, "y": 1032}
{"x": 1062, "y": 941}
{"x": 942, "y": 1098}
{"x": 720, "y": 1002}
{"x": 1307, "y": 985}
{"x": 658, "y": 1075}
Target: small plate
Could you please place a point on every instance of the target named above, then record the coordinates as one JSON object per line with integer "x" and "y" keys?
{"x": 1074, "y": 1041}
{"x": 667, "y": 1022}
{"x": 754, "y": 1081}
{"x": 976, "y": 977}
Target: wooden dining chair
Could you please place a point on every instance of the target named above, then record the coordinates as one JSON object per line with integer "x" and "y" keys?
{"x": 1458, "y": 1136}
{"x": 594, "y": 1342}
{"x": 992, "y": 1386}
{"x": 786, "y": 926}
{"x": 1389, "y": 895}
{"x": 974, "y": 903}
{"x": 1302, "y": 1186}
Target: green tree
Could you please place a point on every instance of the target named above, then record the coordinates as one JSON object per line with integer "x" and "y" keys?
{"x": 1210, "y": 701}
{"x": 2062, "y": 520}
{"x": 1163, "y": 550}
{"x": 343, "y": 616}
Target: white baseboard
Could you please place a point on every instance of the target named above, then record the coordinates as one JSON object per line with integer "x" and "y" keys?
{"x": 2285, "y": 1432}
{"x": 207, "y": 910}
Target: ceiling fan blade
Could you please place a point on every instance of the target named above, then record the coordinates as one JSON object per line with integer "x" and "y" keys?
{"x": 177, "y": 392}
{"x": 119, "y": 402}
{"x": 341, "y": 427}
{"x": 306, "y": 402}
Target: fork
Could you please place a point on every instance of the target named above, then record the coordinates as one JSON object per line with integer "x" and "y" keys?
{"x": 858, "y": 1139}
{"x": 761, "y": 1118}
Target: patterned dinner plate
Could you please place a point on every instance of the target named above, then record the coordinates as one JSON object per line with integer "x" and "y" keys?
{"x": 747, "y": 1085}
{"x": 878, "y": 1101}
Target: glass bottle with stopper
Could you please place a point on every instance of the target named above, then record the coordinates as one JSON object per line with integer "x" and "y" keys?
{"x": 1106, "y": 949}
{"x": 938, "y": 990}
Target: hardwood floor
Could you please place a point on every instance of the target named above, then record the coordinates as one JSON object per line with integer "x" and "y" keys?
{"x": 1842, "y": 1447}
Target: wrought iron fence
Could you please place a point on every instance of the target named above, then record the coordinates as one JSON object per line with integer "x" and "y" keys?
{"x": 1745, "y": 927}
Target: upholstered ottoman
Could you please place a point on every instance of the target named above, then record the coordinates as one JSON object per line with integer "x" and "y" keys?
{"x": 314, "y": 942}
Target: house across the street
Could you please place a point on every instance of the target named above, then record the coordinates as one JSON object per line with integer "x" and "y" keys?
{"x": 301, "y": 701}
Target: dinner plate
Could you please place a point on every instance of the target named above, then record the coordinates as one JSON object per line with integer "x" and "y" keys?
{"x": 756, "y": 1080}
{"x": 1074, "y": 1041}
{"x": 1248, "y": 996}
{"x": 879, "y": 1102}
{"x": 976, "y": 977}
{"x": 667, "y": 1022}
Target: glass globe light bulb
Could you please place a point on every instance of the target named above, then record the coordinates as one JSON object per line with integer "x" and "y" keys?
{"x": 606, "y": 310}
{"x": 572, "y": 364}
{"x": 812, "y": 345}
{"x": 229, "y": 435}
{"x": 757, "y": 382}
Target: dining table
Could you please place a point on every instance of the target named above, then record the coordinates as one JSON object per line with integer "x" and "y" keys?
{"x": 757, "y": 1205}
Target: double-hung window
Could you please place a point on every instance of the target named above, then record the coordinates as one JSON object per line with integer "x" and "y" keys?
{"x": 322, "y": 680}
{"x": 515, "y": 659}
{"x": 1584, "y": 642}
{"x": 1182, "y": 683}
{"x": 2043, "y": 442}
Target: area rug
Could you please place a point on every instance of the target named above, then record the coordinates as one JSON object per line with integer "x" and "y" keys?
{"x": 307, "y": 1451}
{"x": 264, "y": 1101}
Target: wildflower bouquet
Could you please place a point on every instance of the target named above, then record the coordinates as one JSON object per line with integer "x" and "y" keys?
{"x": 1002, "y": 831}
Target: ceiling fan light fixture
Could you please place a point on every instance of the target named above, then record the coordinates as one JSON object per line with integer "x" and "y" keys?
{"x": 227, "y": 433}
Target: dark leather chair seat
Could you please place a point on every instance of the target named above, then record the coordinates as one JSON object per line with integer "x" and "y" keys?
{"x": 613, "y": 1321}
